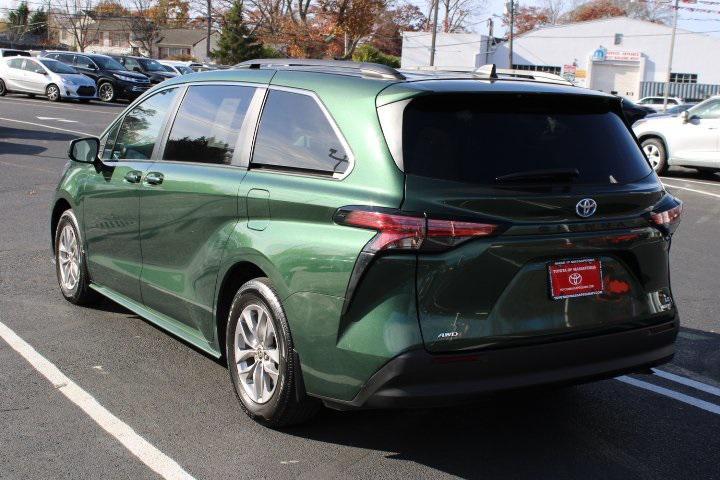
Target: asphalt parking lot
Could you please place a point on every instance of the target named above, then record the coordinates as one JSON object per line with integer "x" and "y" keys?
{"x": 665, "y": 425}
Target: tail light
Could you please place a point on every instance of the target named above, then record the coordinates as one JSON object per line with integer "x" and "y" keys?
{"x": 411, "y": 232}
{"x": 668, "y": 218}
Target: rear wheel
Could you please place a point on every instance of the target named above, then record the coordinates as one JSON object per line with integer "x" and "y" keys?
{"x": 106, "y": 92}
{"x": 3, "y": 90}
{"x": 263, "y": 366}
{"x": 655, "y": 153}
{"x": 70, "y": 264}
{"x": 52, "y": 92}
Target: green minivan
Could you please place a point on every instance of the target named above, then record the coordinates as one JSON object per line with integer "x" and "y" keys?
{"x": 356, "y": 236}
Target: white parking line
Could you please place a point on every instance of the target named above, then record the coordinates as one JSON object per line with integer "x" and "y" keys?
{"x": 42, "y": 104}
{"x": 681, "y": 397}
{"x": 693, "y": 190}
{"x": 688, "y": 382}
{"x": 681, "y": 179}
{"x": 160, "y": 463}
{"x": 84, "y": 134}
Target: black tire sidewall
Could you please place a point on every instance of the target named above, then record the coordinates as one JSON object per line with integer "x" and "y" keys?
{"x": 3, "y": 88}
{"x": 76, "y": 294}
{"x": 260, "y": 291}
{"x": 662, "y": 167}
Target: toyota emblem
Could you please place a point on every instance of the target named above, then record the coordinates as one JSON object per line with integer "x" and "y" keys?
{"x": 586, "y": 207}
{"x": 575, "y": 279}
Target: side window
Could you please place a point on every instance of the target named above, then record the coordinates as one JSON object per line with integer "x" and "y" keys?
{"x": 15, "y": 63}
{"x": 295, "y": 133}
{"x": 83, "y": 62}
{"x": 708, "y": 110}
{"x": 64, "y": 57}
{"x": 107, "y": 144}
{"x": 32, "y": 67}
{"x": 131, "y": 64}
{"x": 141, "y": 126}
{"x": 208, "y": 123}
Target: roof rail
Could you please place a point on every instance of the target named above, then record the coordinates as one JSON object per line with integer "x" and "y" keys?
{"x": 490, "y": 72}
{"x": 373, "y": 70}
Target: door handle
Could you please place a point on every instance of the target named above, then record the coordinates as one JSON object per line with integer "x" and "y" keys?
{"x": 133, "y": 176}
{"x": 154, "y": 178}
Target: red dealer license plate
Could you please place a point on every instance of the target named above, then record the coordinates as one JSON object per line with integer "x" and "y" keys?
{"x": 575, "y": 278}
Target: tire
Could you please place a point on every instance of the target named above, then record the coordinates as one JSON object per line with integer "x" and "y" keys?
{"x": 69, "y": 251}
{"x": 655, "y": 152}
{"x": 52, "y": 92}
{"x": 3, "y": 90}
{"x": 280, "y": 400}
{"x": 106, "y": 92}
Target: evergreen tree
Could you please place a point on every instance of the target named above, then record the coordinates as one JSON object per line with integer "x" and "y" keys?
{"x": 236, "y": 44}
{"x": 18, "y": 21}
{"x": 38, "y": 23}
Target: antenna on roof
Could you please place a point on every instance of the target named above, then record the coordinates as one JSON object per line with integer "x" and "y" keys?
{"x": 488, "y": 71}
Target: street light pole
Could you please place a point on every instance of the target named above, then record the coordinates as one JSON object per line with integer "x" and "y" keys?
{"x": 434, "y": 33}
{"x": 512, "y": 25}
{"x": 670, "y": 58}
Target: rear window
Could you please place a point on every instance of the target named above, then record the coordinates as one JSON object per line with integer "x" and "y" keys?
{"x": 478, "y": 138}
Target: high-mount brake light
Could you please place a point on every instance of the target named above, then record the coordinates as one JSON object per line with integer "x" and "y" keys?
{"x": 412, "y": 232}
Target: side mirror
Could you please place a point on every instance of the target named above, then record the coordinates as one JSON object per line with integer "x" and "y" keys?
{"x": 84, "y": 150}
{"x": 685, "y": 116}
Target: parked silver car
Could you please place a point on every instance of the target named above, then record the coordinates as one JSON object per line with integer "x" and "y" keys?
{"x": 45, "y": 76}
{"x": 690, "y": 139}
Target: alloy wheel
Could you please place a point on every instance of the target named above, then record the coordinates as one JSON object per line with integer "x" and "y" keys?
{"x": 653, "y": 154}
{"x": 257, "y": 353}
{"x": 69, "y": 258}
{"x": 53, "y": 93}
{"x": 106, "y": 92}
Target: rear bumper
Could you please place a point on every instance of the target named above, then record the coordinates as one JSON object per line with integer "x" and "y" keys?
{"x": 420, "y": 379}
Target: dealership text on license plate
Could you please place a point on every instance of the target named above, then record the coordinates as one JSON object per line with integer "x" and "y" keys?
{"x": 575, "y": 278}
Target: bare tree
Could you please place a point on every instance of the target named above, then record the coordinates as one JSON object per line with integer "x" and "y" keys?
{"x": 555, "y": 9}
{"x": 143, "y": 31}
{"x": 75, "y": 18}
{"x": 455, "y": 14}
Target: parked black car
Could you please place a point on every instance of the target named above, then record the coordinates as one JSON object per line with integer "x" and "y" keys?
{"x": 11, "y": 52}
{"x": 634, "y": 112}
{"x": 147, "y": 66}
{"x": 113, "y": 80}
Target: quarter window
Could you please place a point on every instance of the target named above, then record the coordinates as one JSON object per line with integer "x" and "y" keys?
{"x": 294, "y": 133}
{"x": 16, "y": 63}
{"x": 141, "y": 126}
{"x": 208, "y": 123}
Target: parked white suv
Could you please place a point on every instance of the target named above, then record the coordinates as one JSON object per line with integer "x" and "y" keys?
{"x": 691, "y": 139}
{"x": 656, "y": 103}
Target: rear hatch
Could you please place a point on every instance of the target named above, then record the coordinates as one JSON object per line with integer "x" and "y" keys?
{"x": 571, "y": 198}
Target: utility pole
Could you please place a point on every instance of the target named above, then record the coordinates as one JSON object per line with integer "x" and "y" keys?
{"x": 209, "y": 27}
{"x": 512, "y": 25}
{"x": 434, "y": 33}
{"x": 670, "y": 58}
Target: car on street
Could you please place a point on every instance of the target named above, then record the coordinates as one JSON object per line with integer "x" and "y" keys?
{"x": 112, "y": 80}
{"x": 689, "y": 139}
{"x": 657, "y": 102}
{"x": 181, "y": 68}
{"x": 147, "y": 66}
{"x": 11, "y": 52}
{"x": 353, "y": 235}
{"x": 45, "y": 76}
{"x": 676, "y": 110}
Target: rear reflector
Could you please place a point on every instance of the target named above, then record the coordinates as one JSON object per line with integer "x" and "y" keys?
{"x": 411, "y": 232}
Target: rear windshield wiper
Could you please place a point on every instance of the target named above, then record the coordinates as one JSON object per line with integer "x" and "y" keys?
{"x": 549, "y": 174}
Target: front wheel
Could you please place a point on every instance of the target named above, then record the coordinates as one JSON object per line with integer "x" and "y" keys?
{"x": 70, "y": 264}
{"x": 656, "y": 154}
{"x": 263, "y": 366}
{"x": 3, "y": 90}
{"x": 106, "y": 92}
{"x": 52, "y": 92}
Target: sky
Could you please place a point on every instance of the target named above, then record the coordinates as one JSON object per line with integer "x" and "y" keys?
{"x": 693, "y": 21}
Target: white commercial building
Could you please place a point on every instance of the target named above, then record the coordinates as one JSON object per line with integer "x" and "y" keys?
{"x": 620, "y": 55}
